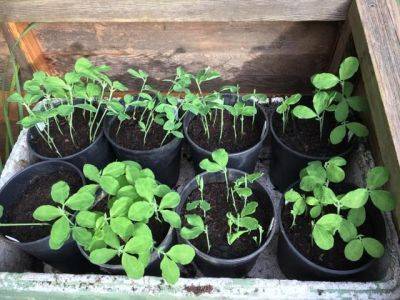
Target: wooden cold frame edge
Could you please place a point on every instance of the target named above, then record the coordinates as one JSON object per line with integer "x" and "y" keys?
{"x": 376, "y": 36}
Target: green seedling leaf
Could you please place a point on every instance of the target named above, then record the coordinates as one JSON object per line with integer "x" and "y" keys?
{"x": 249, "y": 223}
{"x": 110, "y": 238}
{"x": 171, "y": 218}
{"x": 357, "y": 103}
{"x": 120, "y": 207}
{"x": 109, "y": 184}
{"x": 324, "y": 81}
{"x": 89, "y": 188}
{"x": 383, "y": 200}
{"x": 337, "y": 161}
{"x": 292, "y": 196}
{"x": 102, "y": 256}
{"x": 169, "y": 270}
{"x": 220, "y": 156}
{"x": 91, "y": 172}
{"x": 209, "y": 166}
{"x": 122, "y": 226}
{"x": 341, "y": 111}
{"x": 59, "y": 233}
{"x": 322, "y": 237}
{"x": 330, "y": 222}
{"x": 234, "y": 236}
{"x": 347, "y": 231}
{"x": 304, "y": 112}
{"x": 320, "y": 101}
{"x": 114, "y": 169}
{"x": 145, "y": 187}
{"x": 315, "y": 211}
{"x": 356, "y": 216}
{"x": 377, "y": 177}
{"x": 181, "y": 254}
{"x": 348, "y": 68}
{"x": 133, "y": 267}
{"x": 334, "y": 173}
{"x": 47, "y": 213}
{"x": 82, "y": 236}
{"x": 161, "y": 190}
{"x": 170, "y": 200}
{"x": 86, "y": 219}
{"x": 355, "y": 199}
{"x": 139, "y": 244}
{"x": 357, "y": 129}
{"x": 60, "y": 192}
{"x": 337, "y": 134}
{"x": 354, "y": 250}
{"x": 249, "y": 209}
{"x": 80, "y": 201}
{"x": 141, "y": 211}
{"x": 373, "y": 247}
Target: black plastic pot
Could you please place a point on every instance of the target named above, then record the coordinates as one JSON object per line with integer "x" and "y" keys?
{"x": 99, "y": 153}
{"x": 67, "y": 259}
{"x": 219, "y": 267}
{"x": 287, "y": 163}
{"x": 153, "y": 268}
{"x": 163, "y": 161}
{"x": 296, "y": 266}
{"x": 245, "y": 160}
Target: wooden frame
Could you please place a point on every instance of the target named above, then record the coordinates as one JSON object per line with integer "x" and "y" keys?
{"x": 373, "y": 24}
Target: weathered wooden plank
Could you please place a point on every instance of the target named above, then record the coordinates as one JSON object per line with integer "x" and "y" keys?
{"x": 342, "y": 47}
{"x": 277, "y": 57}
{"x": 177, "y": 10}
{"x": 376, "y": 33}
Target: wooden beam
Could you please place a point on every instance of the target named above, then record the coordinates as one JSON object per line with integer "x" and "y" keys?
{"x": 172, "y": 11}
{"x": 376, "y": 32}
{"x": 341, "y": 47}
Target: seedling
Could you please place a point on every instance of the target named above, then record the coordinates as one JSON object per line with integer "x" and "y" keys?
{"x": 285, "y": 108}
{"x": 341, "y": 103}
{"x": 197, "y": 223}
{"x": 134, "y": 197}
{"x": 219, "y": 164}
{"x": 86, "y": 82}
{"x": 350, "y": 207}
{"x": 61, "y": 212}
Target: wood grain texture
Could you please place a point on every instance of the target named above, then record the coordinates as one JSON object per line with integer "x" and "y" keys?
{"x": 375, "y": 27}
{"x": 167, "y": 10}
{"x": 277, "y": 57}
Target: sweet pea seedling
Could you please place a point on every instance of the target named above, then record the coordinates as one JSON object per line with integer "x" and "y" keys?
{"x": 350, "y": 207}
{"x": 134, "y": 198}
{"x": 285, "y": 108}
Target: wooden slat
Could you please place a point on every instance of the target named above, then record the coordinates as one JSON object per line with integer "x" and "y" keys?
{"x": 376, "y": 33}
{"x": 168, "y": 11}
{"x": 274, "y": 57}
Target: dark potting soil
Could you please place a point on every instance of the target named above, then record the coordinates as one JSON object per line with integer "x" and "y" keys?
{"x": 37, "y": 193}
{"x": 64, "y": 141}
{"x": 216, "y": 220}
{"x": 304, "y": 136}
{"x": 131, "y": 137}
{"x": 158, "y": 229}
{"x": 300, "y": 236}
{"x": 251, "y": 133}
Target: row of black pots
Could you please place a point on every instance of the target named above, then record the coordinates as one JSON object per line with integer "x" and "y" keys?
{"x": 165, "y": 160}
{"x": 293, "y": 264}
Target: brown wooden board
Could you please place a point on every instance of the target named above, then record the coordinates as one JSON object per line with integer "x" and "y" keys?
{"x": 167, "y": 10}
{"x": 275, "y": 57}
{"x": 376, "y": 33}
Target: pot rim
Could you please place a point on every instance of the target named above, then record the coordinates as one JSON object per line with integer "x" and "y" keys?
{"x": 106, "y": 128}
{"x": 306, "y": 259}
{"x": 50, "y": 161}
{"x": 225, "y": 261}
{"x": 188, "y": 118}
{"x": 302, "y": 155}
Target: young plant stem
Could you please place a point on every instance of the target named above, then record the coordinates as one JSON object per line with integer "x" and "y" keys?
{"x": 221, "y": 125}
{"x": 207, "y": 238}
{"x": 24, "y": 224}
{"x": 234, "y": 201}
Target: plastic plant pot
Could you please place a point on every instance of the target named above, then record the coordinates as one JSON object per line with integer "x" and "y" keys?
{"x": 296, "y": 266}
{"x": 153, "y": 268}
{"x": 67, "y": 258}
{"x": 286, "y": 163}
{"x": 221, "y": 267}
{"x": 98, "y": 153}
{"x": 244, "y": 160}
{"x": 163, "y": 161}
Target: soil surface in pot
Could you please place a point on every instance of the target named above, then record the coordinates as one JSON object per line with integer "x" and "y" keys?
{"x": 37, "y": 193}
{"x": 158, "y": 229}
{"x": 300, "y": 236}
{"x": 250, "y": 137}
{"x": 304, "y": 136}
{"x": 131, "y": 137}
{"x": 216, "y": 220}
{"x": 63, "y": 141}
